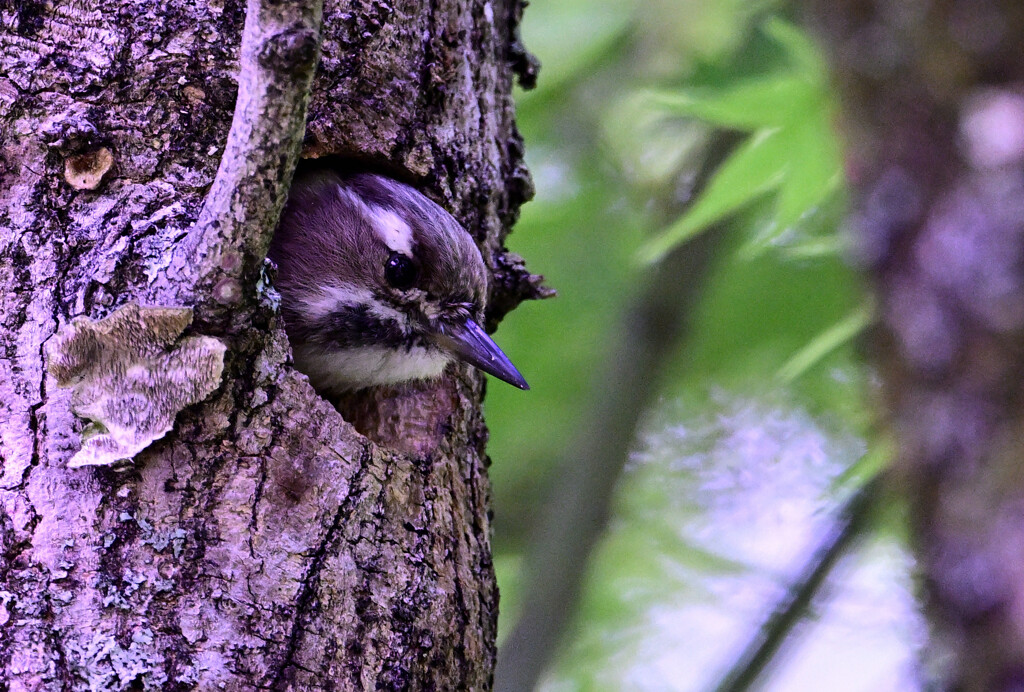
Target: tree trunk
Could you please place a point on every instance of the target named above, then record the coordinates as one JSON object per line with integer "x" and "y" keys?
{"x": 145, "y": 151}
{"x": 935, "y": 118}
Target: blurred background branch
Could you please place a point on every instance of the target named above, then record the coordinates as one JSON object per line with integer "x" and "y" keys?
{"x": 757, "y": 655}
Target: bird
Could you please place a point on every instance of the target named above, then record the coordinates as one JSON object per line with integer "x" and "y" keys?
{"x": 379, "y": 284}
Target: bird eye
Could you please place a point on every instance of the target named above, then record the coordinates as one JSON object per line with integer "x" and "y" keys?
{"x": 400, "y": 271}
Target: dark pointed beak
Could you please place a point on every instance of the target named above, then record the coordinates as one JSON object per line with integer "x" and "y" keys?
{"x": 470, "y": 343}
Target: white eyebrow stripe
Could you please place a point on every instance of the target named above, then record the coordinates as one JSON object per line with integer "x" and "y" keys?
{"x": 346, "y": 195}
{"x": 395, "y": 232}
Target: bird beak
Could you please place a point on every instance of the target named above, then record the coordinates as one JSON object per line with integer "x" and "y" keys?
{"x": 470, "y": 343}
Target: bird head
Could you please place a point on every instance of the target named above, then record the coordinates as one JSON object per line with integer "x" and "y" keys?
{"x": 379, "y": 284}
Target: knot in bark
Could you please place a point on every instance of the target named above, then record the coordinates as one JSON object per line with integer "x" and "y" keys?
{"x": 292, "y": 50}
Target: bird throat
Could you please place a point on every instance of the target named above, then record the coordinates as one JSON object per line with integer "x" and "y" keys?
{"x": 336, "y": 368}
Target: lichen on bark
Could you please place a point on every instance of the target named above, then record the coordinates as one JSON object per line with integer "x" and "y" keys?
{"x": 131, "y": 376}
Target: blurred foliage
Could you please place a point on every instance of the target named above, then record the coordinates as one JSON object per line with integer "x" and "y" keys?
{"x": 764, "y": 423}
{"x": 791, "y": 150}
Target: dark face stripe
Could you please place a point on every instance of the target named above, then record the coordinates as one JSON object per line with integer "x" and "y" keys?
{"x": 350, "y": 326}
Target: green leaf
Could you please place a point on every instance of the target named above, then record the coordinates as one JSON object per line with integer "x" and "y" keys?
{"x": 880, "y": 455}
{"x": 757, "y": 167}
{"x": 792, "y": 149}
{"x": 812, "y": 176}
{"x": 772, "y": 101}
{"x": 649, "y": 148}
{"x": 826, "y": 342}
{"x": 800, "y": 50}
{"x": 816, "y": 247}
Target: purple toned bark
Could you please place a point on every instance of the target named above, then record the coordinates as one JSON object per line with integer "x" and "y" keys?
{"x": 934, "y": 100}
{"x": 263, "y": 541}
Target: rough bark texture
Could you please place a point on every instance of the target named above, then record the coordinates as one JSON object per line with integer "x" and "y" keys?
{"x": 934, "y": 96}
{"x": 263, "y": 542}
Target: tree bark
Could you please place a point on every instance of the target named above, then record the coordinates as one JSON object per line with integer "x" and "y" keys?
{"x": 263, "y": 542}
{"x": 935, "y": 119}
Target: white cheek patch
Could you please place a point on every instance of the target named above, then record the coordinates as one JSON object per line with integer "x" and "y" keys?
{"x": 339, "y": 370}
{"x": 395, "y": 232}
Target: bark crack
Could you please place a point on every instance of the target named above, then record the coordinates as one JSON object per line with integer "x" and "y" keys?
{"x": 311, "y": 580}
